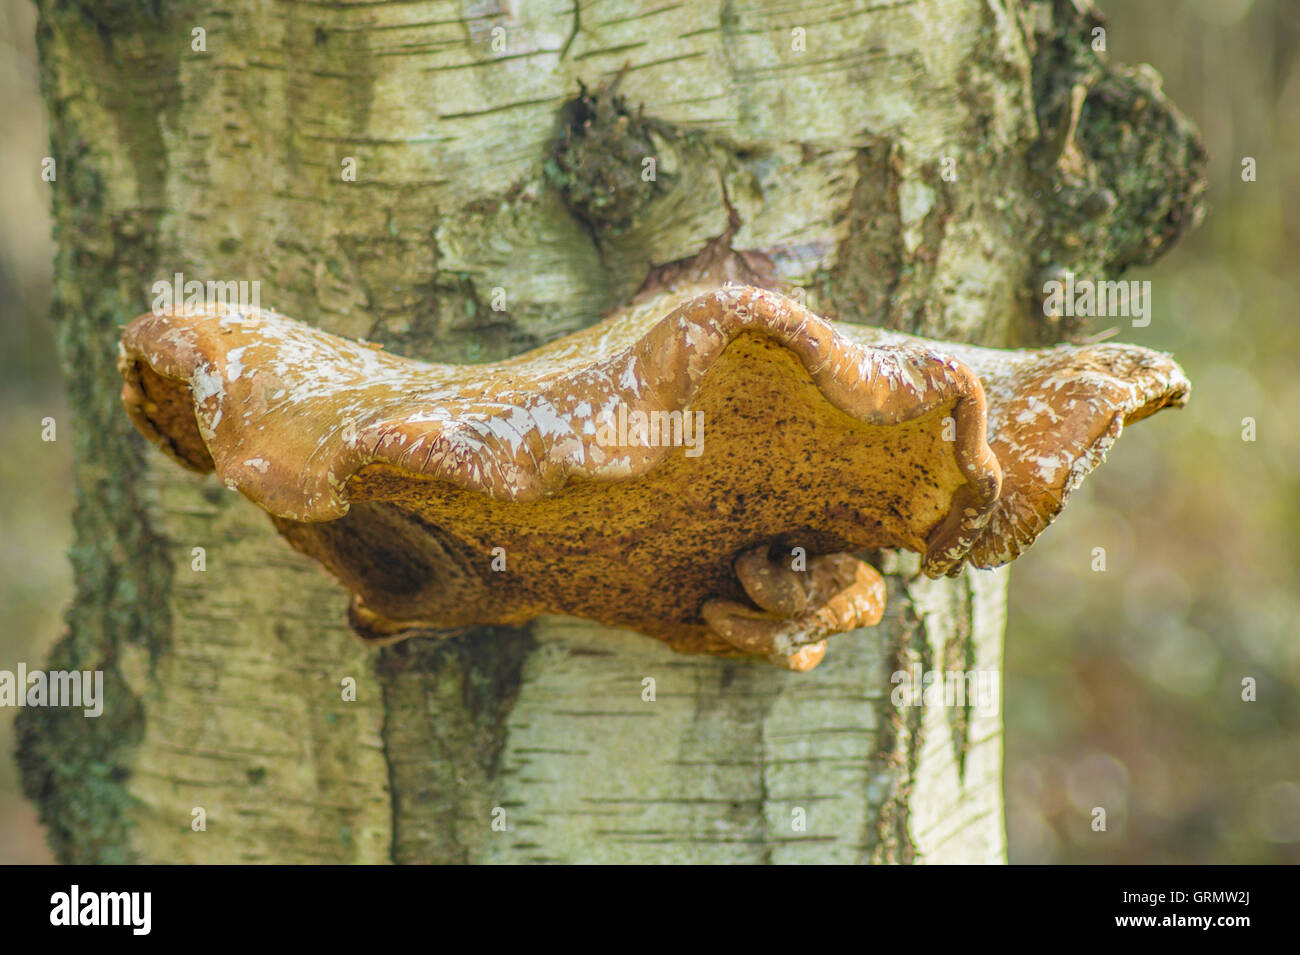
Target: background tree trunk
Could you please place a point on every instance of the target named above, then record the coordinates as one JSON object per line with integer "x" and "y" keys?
{"x": 913, "y": 166}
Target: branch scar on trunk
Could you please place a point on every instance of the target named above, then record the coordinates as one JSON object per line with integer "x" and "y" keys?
{"x": 661, "y": 471}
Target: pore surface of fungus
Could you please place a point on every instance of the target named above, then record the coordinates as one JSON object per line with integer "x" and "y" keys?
{"x": 698, "y": 468}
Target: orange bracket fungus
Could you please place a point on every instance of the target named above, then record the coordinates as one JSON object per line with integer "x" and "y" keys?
{"x": 700, "y": 468}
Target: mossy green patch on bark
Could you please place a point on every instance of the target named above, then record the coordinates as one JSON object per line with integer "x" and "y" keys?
{"x": 599, "y": 160}
{"x": 447, "y": 702}
{"x": 896, "y": 757}
{"x": 75, "y": 767}
{"x": 1119, "y": 171}
{"x": 959, "y": 665}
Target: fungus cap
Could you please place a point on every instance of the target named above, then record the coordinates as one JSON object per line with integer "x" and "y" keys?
{"x": 660, "y": 471}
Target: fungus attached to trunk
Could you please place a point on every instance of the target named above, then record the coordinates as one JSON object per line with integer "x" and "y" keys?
{"x": 699, "y": 468}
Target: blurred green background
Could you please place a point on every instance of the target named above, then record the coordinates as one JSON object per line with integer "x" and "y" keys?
{"x": 1123, "y": 687}
{"x": 35, "y": 477}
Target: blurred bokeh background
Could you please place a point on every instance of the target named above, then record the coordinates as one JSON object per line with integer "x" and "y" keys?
{"x": 36, "y": 487}
{"x": 1124, "y": 685}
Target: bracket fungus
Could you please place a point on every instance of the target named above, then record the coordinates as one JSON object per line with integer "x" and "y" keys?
{"x": 700, "y": 468}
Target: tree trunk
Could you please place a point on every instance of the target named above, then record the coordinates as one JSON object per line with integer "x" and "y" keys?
{"x": 463, "y": 181}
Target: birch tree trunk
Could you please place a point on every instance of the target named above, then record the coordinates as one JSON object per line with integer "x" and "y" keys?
{"x": 463, "y": 181}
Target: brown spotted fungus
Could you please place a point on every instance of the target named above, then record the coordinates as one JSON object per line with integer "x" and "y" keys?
{"x": 700, "y": 467}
